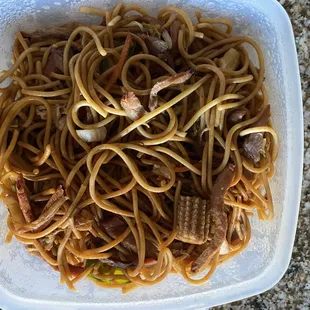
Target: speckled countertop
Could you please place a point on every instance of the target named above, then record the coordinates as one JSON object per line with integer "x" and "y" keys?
{"x": 293, "y": 291}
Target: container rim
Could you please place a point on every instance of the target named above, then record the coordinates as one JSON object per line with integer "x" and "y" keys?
{"x": 280, "y": 261}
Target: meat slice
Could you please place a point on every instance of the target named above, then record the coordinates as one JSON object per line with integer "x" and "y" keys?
{"x": 132, "y": 106}
{"x": 59, "y": 33}
{"x": 236, "y": 117}
{"x": 179, "y": 78}
{"x": 59, "y": 193}
{"x": 158, "y": 48}
{"x": 54, "y": 62}
{"x": 155, "y": 45}
{"x": 48, "y": 213}
{"x": 218, "y": 218}
{"x": 23, "y": 198}
{"x": 253, "y": 144}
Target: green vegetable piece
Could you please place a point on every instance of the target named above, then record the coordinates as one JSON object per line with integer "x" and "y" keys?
{"x": 132, "y": 49}
{"x": 90, "y": 262}
{"x": 104, "y": 65}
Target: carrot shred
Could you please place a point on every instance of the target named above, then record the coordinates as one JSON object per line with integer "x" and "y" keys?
{"x": 118, "y": 69}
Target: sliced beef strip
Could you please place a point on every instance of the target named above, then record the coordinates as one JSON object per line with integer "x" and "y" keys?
{"x": 218, "y": 218}
{"x": 254, "y": 142}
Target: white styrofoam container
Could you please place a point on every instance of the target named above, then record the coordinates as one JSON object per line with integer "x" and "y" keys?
{"x": 28, "y": 283}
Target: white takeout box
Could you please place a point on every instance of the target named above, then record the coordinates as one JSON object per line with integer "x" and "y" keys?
{"x": 27, "y": 282}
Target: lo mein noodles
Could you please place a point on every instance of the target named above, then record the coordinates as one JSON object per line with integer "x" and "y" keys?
{"x": 135, "y": 148}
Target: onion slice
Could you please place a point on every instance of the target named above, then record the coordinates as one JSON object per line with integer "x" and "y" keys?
{"x": 92, "y": 135}
{"x": 166, "y": 36}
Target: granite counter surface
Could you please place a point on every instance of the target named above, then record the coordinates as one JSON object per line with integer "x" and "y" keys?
{"x": 293, "y": 291}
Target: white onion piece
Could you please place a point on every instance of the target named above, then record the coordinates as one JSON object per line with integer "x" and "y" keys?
{"x": 224, "y": 249}
{"x": 230, "y": 60}
{"x": 92, "y": 135}
{"x": 166, "y": 36}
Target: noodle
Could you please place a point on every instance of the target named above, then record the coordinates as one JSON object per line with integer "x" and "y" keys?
{"x": 111, "y": 134}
